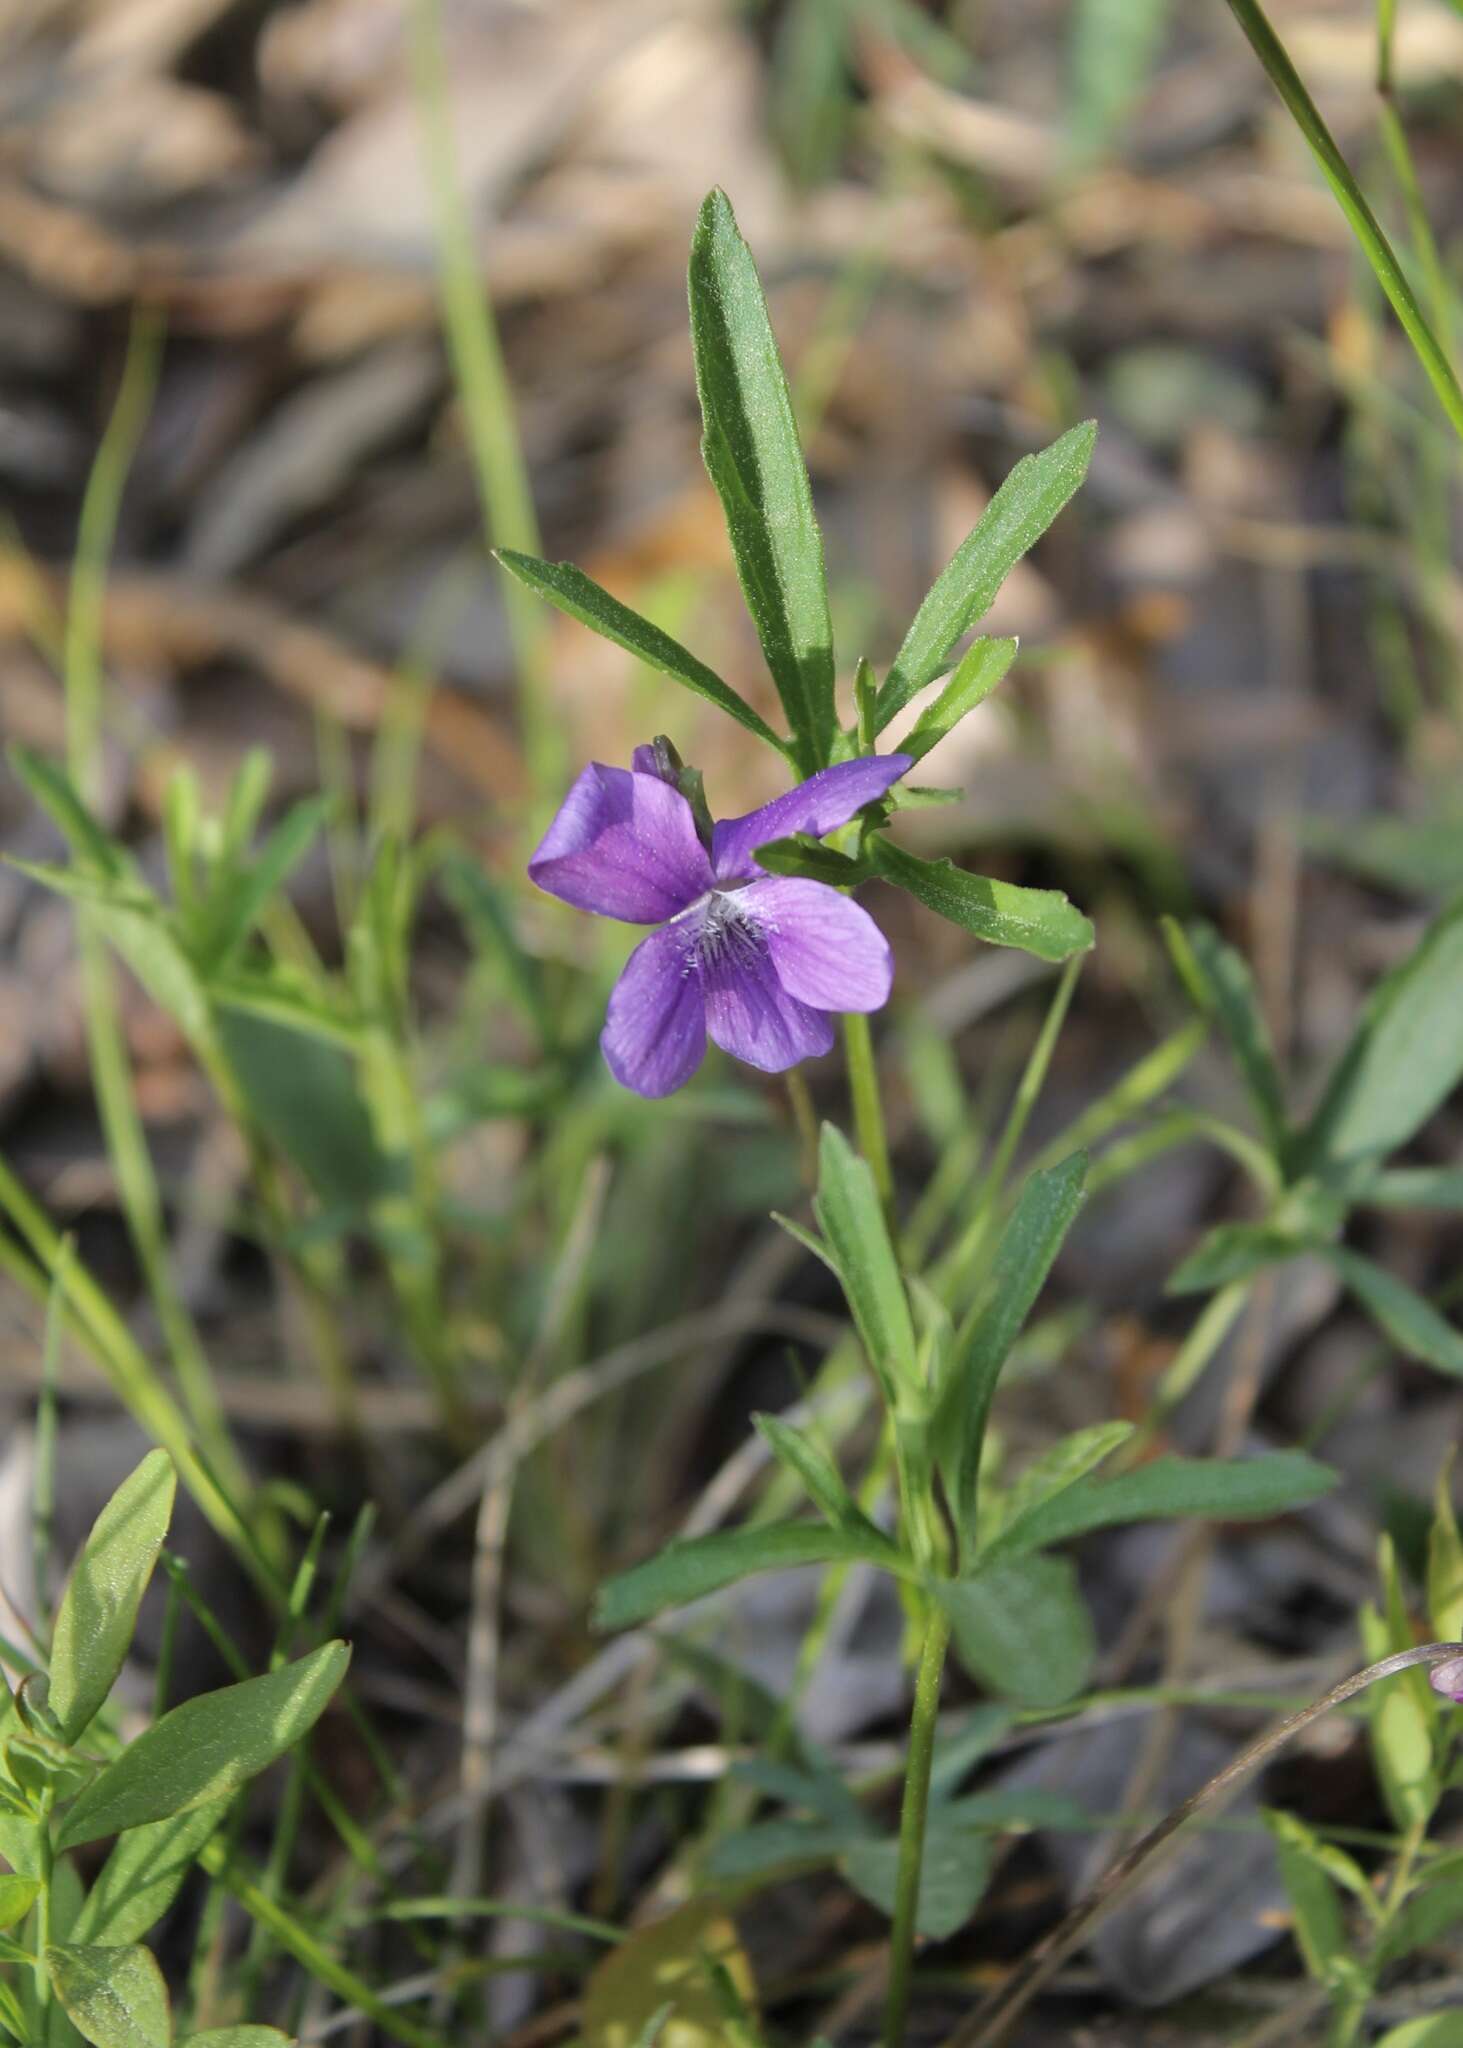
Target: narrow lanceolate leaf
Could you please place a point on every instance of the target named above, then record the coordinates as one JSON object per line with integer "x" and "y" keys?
{"x": 703, "y": 1564}
{"x": 584, "y": 599}
{"x": 242, "y": 895}
{"x": 811, "y": 1465}
{"x": 1432, "y": 1914}
{"x": 1022, "y": 1628}
{"x": 1405, "y": 1057}
{"x": 114, "y": 1997}
{"x": 976, "y": 674}
{"x": 56, "y": 794}
{"x": 143, "y": 1875}
{"x": 237, "y": 2037}
{"x": 1114, "y": 44}
{"x": 1315, "y": 1903}
{"x": 98, "y": 1610}
{"x": 1414, "y": 1187}
{"x": 208, "y": 1748}
{"x": 1044, "y": 1214}
{"x": 1224, "y": 989}
{"x": 1040, "y": 921}
{"x": 1063, "y": 1465}
{"x": 851, "y": 1218}
{"x": 122, "y": 895}
{"x": 750, "y": 444}
{"x": 1413, "y": 1324}
{"x": 1233, "y": 1490}
{"x": 1017, "y": 516}
{"x": 811, "y": 861}
{"x": 1234, "y": 1251}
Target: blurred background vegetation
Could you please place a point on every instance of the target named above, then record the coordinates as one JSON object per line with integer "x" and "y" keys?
{"x": 356, "y": 1211}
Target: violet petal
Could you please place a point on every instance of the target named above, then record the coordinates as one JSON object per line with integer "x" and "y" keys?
{"x": 821, "y": 804}
{"x": 623, "y": 845}
{"x": 824, "y": 949}
{"x": 655, "y": 1027}
{"x": 748, "y": 1012}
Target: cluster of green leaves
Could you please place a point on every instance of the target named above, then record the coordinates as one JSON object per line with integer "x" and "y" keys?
{"x": 990, "y": 1559}
{"x": 755, "y": 460}
{"x": 75, "y": 1963}
{"x": 193, "y": 956}
{"x": 1403, "y": 1059}
{"x": 1354, "y": 1930}
{"x": 271, "y": 1024}
{"x": 318, "y": 1066}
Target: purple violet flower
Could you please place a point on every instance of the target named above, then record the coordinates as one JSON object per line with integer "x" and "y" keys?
{"x": 755, "y": 961}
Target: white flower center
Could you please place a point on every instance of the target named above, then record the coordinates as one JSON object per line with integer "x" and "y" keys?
{"x": 726, "y": 932}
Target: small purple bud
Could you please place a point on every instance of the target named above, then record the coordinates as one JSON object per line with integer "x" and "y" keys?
{"x": 1447, "y": 1679}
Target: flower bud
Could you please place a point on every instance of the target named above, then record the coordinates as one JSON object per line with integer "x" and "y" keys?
{"x": 1447, "y": 1678}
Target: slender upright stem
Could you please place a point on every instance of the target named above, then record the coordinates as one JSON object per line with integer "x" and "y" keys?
{"x": 868, "y": 1107}
{"x": 45, "y": 1868}
{"x": 1251, "y": 16}
{"x": 912, "y": 1822}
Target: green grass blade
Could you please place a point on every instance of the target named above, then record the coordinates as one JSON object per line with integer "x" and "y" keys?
{"x": 487, "y": 397}
{"x": 111, "y": 1071}
{"x": 1364, "y": 224}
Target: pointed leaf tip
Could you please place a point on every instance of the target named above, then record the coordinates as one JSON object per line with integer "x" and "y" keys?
{"x": 755, "y": 461}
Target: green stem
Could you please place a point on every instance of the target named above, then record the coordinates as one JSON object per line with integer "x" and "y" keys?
{"x": 46, "y": 1862}
{"x": 868, "y": 1108}
{"x": 912, "y": 1822}
{"x": 1251, "y": 16}
{"x": 487, "y": 397}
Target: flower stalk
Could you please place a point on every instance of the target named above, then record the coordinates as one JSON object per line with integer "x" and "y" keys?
{"x": 912, "y": 1819}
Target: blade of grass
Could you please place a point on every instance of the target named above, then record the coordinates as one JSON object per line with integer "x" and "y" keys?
{"x": 476, "y": 351}
{"x": 959, "y": 1271}
{"x": 111, "y": 1071}
{"x": 1386, "y": 30}
{"x": 392, "y": 806}
{"x": 1379, "y": 253}
{"x": 298, "y": 1941}
{"x": 125, "y": 1366}
{"x": 1419, "y": 227}
{"x": 43, "y": 1487}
